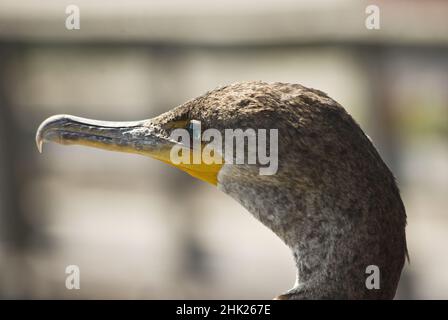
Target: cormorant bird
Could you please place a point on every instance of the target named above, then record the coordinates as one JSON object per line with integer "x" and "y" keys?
{"x": 333, "y": 201}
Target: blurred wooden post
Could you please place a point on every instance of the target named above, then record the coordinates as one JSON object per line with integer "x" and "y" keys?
{"x": 381, "y": 113}
{"x": 16, "y": 232}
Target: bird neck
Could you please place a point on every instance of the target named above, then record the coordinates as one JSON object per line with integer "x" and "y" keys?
{"x": 333, "y": 245}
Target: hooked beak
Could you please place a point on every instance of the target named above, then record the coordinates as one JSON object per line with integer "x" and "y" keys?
{"x": 139, "y": 137}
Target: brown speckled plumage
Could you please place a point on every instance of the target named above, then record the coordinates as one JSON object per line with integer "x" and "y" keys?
{"x": 333, "y": 201}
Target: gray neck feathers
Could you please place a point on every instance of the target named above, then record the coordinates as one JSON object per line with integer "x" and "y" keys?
{"x": 332, "y": 241}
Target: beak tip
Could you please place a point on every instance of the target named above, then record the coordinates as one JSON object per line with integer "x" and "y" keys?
{"x": 39, "y": 146}
{"x": 44, "y": 127}
{"x": 39, "y": 142}
{"x": 40, "y": 134}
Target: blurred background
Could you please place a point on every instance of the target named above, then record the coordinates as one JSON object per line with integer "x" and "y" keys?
{"x": 140, "y": 229}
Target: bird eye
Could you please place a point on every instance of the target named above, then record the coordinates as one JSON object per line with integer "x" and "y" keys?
{"x": 194, "y": 128}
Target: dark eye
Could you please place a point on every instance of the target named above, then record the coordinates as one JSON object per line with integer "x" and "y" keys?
{"x": 194, "y": 129}
{"x": 190, "y": 127}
